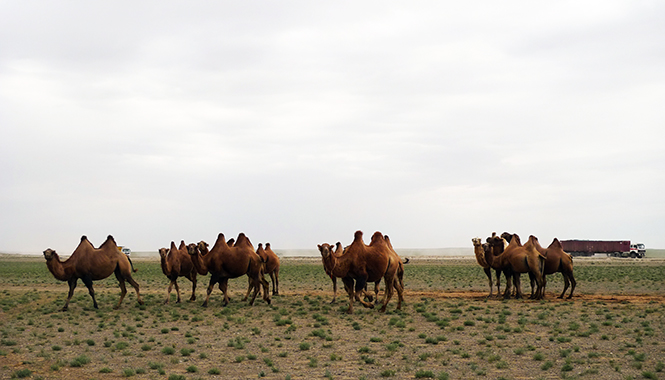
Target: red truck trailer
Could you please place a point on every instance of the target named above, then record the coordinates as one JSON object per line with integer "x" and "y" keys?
{"x": 616, "y": 248}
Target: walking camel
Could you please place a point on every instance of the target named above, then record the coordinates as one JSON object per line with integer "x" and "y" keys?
{"x": 91, "y": 264}
{"x": 176, "y": 262}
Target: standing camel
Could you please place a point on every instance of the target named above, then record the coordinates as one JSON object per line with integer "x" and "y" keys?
{"x": 91, "y": 264}
{"x": 556, "y": 260}
{"x": 361, "y": 264}
{"x": 271, "y": 264}
{"x": 481, "y": 250}
{"x": 176, "y": 262}
{"x": 515, "y": 259}
{"x": 224, "y": 262}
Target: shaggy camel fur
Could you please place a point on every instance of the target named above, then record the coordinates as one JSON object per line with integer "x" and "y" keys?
{"x": 224, "y": 262}
{"x": 363, "y": 263}
{"x": 176, "y": 262}
{"x": 480, "y": 251}
{"x": 271, "y": 264}
{"x": 91, "y": 264}
{"x": 515, "y": 258}
{"x": 556, "y": 260}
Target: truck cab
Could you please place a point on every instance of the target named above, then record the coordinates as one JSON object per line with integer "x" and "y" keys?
{"x": 637, "y": 250}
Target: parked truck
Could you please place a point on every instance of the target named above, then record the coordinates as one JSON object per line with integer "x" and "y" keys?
{"x": 613, "y": 248}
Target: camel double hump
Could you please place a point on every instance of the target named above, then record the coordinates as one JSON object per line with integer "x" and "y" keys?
{"x": 176, "y": 262}
{"x": 91, "y": 264}
{"x": 360, "y": 264}
{"x": 556, "y": 260}
{"x": 226, "y": 261}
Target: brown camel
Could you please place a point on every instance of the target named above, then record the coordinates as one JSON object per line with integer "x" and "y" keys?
{"x": 363, "y": 263}
{"x": 176, "y": 262}
{"x": 91, "y": 264}
{"x": 271, "y": 264}
{"x": 481, "y": 250}
{"x": 333, "y": 271}
{"x": 515, "y": 258}
{"x": 224, "y": 262}
{"x": 556, "y": 260}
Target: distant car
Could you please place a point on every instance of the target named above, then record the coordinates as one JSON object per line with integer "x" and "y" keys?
{"x": 125, "y": 250}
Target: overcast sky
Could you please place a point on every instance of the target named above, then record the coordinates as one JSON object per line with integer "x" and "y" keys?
{"x": 300, "y": 122}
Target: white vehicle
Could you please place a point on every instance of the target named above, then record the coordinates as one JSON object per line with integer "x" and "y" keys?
{"x": 125, "y": 250}
{"x": 638, "y": 250}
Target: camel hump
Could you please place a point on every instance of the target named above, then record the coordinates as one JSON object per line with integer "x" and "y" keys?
{"x": 556, "y": 244}
{"x": 84, "y": 238}
{"x": 267, "y": 245}
{"x": 377, "y": 237}
{"x": 110, "y": 237}
{"x": 261, "y": 245}
{"x": 173, "y": 248}
{"x": 358, "y": 236}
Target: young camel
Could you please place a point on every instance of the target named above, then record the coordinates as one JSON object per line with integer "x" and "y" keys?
{"x": 91, "y": 264}
{"x": 515, "y": 259}
{"x": 556, "y": 260}
{"x": 480, "y": 251}
{"x": 176, "y": 262}
{"x": 363, "y": 263}
{"x": 224, "y": 262}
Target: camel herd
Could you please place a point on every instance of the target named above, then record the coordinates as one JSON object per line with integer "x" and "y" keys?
{"x": 506, "y": 254}
{"x": 357, "y": 265}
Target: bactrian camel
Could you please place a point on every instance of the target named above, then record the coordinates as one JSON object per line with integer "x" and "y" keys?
{"x": 556, "y": 260}
{"x": 361, "y": 264}
{"x": 480, "y": 250}
{"x": 176, "y": 262}
{"x": 271, "y": 264}
{"x": 224, "y": 262}
{"x": 91, "y": 264}
{"x": 514, "y": 259}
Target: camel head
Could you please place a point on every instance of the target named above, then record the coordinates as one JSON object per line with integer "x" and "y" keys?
{"x": 325, "y": 249}
{"x": 162, "y": 252}
{"x": 202, "y": 247}
{"x": 476, "y": 242}
{"x": 50, "y": 254}
{"x": 192, "y": 249}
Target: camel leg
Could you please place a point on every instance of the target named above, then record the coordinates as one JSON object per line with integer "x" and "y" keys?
{"x": 334, "y": 281}
{"x": 224, "y": 287}
{"x": 177, "y": 290}
{"x": 274, "y": 277}
{"x": 72, "y": 285}
{"x": 498, "y": 283}
{"x": 573, "y": 283}
{"x": 123, "y": 291}
{"x": 517, "y": 281}
{"x": 135, "y": 285}
{"x": 488, "y": 273}
{"x": 360, "y": 289}
{"x": 250, "y": 286}
{"x": 88, "y": 284}
{"x": 168, "y": 293}
{"x": 193, "y": 280}
{"x": 211, "y": 285}
{"x": 348, "y": 286}
{"x": 266, "y": 286}
{"x": 376, "y": 291}
{"x": 389, "y": 292}
{"x": 566, "y": 283}
{"x": 507, "y": 292}
{"x": 400, "y": 294}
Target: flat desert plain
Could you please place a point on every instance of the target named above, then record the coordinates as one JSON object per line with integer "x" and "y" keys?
{"x": 612, "y": 328}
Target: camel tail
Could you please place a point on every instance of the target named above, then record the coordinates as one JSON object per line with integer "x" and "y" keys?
{"x": 132, "y": 265}
{"x": 406, "y": 261}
